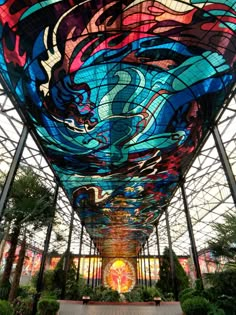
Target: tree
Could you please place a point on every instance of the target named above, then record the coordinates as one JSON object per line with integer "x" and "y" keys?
{"x": 180, "y": 278}
{"x": 18, "y": 270}
{"x": 30, "y": 202}
{"x": 224, "y": 244}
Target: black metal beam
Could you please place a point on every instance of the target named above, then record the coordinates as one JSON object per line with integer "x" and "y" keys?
{"x": 94, "y": 252}
{"x": 80, "y": 249}
{"x": 145, "y": 274}
{"x": 13, "y": 169}
{"x": 149, "y": 265}
{"x": 44, "y": 256}
{"x": 191, "y": 235}
{"x": 67, "y": 255}
{"x": 225, "y": 162}
{"x": 172, "y": 265}
{"x": 158, "y": 247}
{"x": 143, "y": 266}
{"x": 89, "y": 266}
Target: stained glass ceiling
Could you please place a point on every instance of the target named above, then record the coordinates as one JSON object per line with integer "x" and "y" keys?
{"x": 120, "y": 94}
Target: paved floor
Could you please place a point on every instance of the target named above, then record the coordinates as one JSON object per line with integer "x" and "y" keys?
{"x": 78, "y": 309}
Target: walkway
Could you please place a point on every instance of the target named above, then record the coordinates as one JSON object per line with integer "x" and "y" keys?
{"x": 79, "y": 309}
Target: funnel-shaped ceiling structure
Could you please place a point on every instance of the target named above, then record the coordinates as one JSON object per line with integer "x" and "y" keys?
{"x": 119, "y": 94}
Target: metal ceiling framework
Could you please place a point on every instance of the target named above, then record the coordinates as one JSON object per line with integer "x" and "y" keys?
{"x": 98, "y": 59}
{"x": 212, "y": 201}
{"x": 11, "y": 127}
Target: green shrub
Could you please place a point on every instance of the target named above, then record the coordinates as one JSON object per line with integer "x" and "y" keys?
{"x": 214, "y": 310}
{"x": 48, "y": 307}
{"x": 25, "y": 291}
{"x": 183, "y": 292}
{"x": 227, "y": 303}
{"x": 134, "y": 296}
{"x": 5, "y": 308}
{"x": 75, "y": 289}
{"x": 110, "y": 295}
{"x": 49, "y": 295}
{"x": 4, "y": 291}
{"x": 221, "y": 280}
{"x": 23, "y": 306}
{"x": 199, "y": 286}
{"x": 97, "y": 294}
{"x": 169, "y": 296}
{"x": 188, "y": 295}
{"x": 180, "y": 278}
{"x": 196, "y": 305}
{"x": 149, "y": 293}
{"x": 211, "y": 294}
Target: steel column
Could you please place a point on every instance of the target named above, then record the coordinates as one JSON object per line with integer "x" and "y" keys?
{"x": 145, "y": 275}
{"x": 12, "y": 171}
{"x": 191, "y": 235}
{"x": 67, "y": 254}
{"x": 172, "y": 266}
{"x": 89, "y": 266}
{"x": 225, "y": 162}
{"x": 94, "y": 251}
{"x": 96, "y": 282}
{"x": 137, "y": 269}
{"x": 44, "y": 256}
{"x": 95, "y": 268}
{"x": 158, "y": 247}
{"x": 142, "y": 268}
{"x": 80, "y": 249}
{"x": 149, "y": 265}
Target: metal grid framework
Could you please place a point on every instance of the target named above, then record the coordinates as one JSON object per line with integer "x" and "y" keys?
{"x": 206, "y": 186}
{"x": 11, "y": 127}
{"x": 207, "y": 190}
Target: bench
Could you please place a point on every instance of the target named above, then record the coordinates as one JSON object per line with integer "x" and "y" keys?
{"x": 157, "y": 300}
{"x": 85, "y": 299}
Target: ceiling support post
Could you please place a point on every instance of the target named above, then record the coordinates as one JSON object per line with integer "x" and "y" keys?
{"x": 89, "y": 266}
{"x": 191, "y": 235}
{"x": 158, "y": 248}
{"x": 225, "y": 162}
{"x": 67, "y": 255}
{"x": 145, "y": 271}
{"x": 80, "y": 250}
{"x": 96, "y": 270}
{"x": 39, "y": 283}
{"x": 94, "y": 251}
{"x": 142, "y": 267}
{"x": 137, "y": 269}
{"x": 12, "y": 171}
{"x": 172, "y": 265}
{"x": 149, "y": 265}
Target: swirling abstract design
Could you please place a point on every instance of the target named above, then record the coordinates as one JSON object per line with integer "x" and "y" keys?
{"x": 120, "y": 95}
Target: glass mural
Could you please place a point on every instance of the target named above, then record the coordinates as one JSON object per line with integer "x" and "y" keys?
{"x": 95, "y": 266}
{"x": 120, "y": 275}
{"x": 31, "y": 263}
{"x": 120, "y": 95}
{"x": 143, "y": 267}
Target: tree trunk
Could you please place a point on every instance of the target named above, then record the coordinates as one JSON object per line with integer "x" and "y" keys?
{"x": 3, "y": 242}
{"x": 17, "y": 275}
{"x": 11, "y": 255}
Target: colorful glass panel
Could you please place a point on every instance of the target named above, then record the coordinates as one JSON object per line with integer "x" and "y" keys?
{"x": 120, "y": 95}
{"x": 119, "y": 275}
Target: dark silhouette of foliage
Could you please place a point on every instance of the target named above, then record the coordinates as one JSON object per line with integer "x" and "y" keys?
{"x": 29, "y": 203}
{"x": 180, "y": 278}
{"x": 224, "y": 243}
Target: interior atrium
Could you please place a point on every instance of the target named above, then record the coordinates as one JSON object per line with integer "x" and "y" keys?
{"x": 127, "y": 110}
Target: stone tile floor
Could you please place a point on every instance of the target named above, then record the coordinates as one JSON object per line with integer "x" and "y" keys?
{"x": 79, "y": 309}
